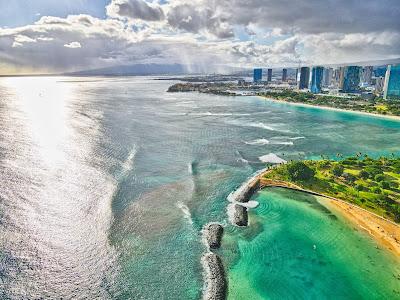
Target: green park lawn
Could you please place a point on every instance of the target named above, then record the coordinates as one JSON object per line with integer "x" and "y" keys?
{"x": 373, "y": 184}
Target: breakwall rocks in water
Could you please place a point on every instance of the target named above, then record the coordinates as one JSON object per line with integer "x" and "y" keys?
{"x": 238, "y": 208}
{"x": 213, "y": 234}
{"x": 240, "y": 215}
{"x": 244, "y": 193}
{"x": 216, "y": 284}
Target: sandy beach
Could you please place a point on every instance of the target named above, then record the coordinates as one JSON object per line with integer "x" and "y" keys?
{"x": 385, "y": 232}
{"x": 390, "y": 117}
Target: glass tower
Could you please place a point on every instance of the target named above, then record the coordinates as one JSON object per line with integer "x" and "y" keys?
{"x": 392, "y": 83}
{"x": 316, "y": 79}
{"x": 269, "y": 78}
{"x": 304, "y": 78}
{"x": 257, "y": 75}
{"x": 351, "y": 79}
{"x": 284, "y": 74}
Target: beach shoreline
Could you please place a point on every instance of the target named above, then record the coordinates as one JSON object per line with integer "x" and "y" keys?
{"x": 385, "y": 232}
{"x": 389, "y": 117}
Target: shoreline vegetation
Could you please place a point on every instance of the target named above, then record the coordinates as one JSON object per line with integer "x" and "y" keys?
{"x": 372, "y": 184}
{"x": 375, "y": 106}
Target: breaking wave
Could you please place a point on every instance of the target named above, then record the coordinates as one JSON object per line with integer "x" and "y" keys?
{"x": 186, "y": 211}
{"x": 272, "y": 158}
{"x": 258, "y": 125}
{"x": 258, "y": 142}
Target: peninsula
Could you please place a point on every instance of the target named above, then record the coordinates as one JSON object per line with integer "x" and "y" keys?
{"x": 372, "y": 105}
{"x": 372, "y": 184}
{"x": 362, "y": 189}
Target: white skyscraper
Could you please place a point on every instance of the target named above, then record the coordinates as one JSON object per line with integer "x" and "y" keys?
{"x": 366, "y": 77}
{"x": 380, "y": 81}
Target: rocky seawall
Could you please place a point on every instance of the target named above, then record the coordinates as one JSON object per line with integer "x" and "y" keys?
{"x": 213, "y": 234}
{"x": 216, "y": 285}
{"x": 215, "y": 280}
{"x": 237, "y": 209}
{"x": 239, "y": 215}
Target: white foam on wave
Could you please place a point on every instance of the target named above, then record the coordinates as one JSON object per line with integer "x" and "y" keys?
{"x": 208, "y": 113}
{"x": 190, "y": 168}
{"x": 173, "y": 114}
{"x": 297, "y": 138}
{"x": 259, "y": 125}
{"x": 258, "y": 142}
{"x": 262, "y": 112}
{"x": 249, "y": 204}
{"x": 263, "y": 126}
{"x": 272, "y": 158}
{"x": 282, "y": 143}
{"x": 186, "y": 211}
{"x": 243, "y": 160}
{"x": 127, "y": 165}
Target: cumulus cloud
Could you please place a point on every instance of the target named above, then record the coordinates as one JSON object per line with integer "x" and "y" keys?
{"x": 47, "y": 43}
{"x": 194, "y": 18}
{"x": 135, "y": 9}
{"x": 73, "y": 45}
{"x": 203, "y": 32}
{"x": 316, "y": 16}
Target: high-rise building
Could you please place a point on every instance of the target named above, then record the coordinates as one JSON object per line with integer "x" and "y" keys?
{"x": 269, "y": 75}
{"x": 316, "y": 79}
{"x": 327, "y": 78}
{"x": 391, "y": 89}
{"x": 367, "y": 75}
{"x": 284, "y": 74}
{"x": 379, "y": 84}
{"x": 340, "y": 77}
{"x": 304, "y": 78}
{"x": 335, "y": 82}
{"x": 257, "y": 75}
{"x": 351, "y": 79}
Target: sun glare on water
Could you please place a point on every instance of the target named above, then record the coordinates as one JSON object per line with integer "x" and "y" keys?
{"x": 44, "y": 103}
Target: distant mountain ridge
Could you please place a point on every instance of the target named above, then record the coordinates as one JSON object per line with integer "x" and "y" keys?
{"x": 137, "y": 69}
{"x": 180, "y": 69}
{"x": 152, "y": 69}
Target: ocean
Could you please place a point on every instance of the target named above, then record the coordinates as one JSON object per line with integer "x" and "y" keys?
{"x": 107, "y": 182}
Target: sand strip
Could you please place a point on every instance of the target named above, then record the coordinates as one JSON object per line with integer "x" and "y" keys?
{"x": 385, "y": 232}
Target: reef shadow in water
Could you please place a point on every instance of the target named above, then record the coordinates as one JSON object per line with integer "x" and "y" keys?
{"x": 304, "y": 197}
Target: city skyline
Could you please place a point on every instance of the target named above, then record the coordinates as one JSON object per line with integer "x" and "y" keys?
{"x": 202, "y": 35}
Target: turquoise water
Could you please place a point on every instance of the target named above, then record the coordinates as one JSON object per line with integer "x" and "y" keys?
{"x": 106, "y": 182}
{"x": 297, "y": 249}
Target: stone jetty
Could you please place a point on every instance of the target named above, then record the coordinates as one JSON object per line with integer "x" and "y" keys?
{"x": 240, "y": 216}
{"x": 213, "y": 234}
{"x": 216, "y": 284}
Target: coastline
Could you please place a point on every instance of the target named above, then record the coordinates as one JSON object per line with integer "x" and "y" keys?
{"x": 384, "y": 232}
{"x": 389, "y": 117}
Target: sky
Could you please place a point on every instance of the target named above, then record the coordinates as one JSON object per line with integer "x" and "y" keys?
{"x": 47, "y": 36}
